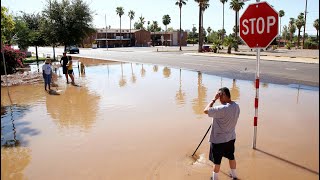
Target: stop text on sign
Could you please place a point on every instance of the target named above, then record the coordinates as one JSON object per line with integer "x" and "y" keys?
{"x": 258, "y": 25}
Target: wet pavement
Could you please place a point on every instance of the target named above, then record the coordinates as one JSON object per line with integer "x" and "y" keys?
{"x": 143, "y": 121}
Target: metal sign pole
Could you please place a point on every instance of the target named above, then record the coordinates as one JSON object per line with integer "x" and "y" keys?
{"x": 255, "y": 120}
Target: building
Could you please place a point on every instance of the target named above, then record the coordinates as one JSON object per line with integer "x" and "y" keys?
{"x": 135, "y": 37}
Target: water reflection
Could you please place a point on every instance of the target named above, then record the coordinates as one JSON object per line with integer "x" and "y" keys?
{"x": 133, "y": 76}
{"x": 180, "y": 95}
{"x": 155, "y": 68}
{"x": 199, "y": 103}
{"x": 75, "y": 107}
{"x": 143, "y": 71}
{"x": 11, "y": 120}
{"x": 166, "y": 72}
{"x": 122, "y": 81}
{"x": 14, "y": 161}
{"x": 234, "y": 90}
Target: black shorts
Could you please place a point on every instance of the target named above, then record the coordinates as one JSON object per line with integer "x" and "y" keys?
{"x": 64, "y": 70}
{"x": 70, "y": 71}
{"x": 217, "y": 151}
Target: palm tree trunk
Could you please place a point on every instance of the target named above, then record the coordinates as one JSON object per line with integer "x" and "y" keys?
{"x": 120, "y": 33}
{"x": 130, "y": 33}
{"x": 236, "y": 33}
{"x": 298, "y": 38}
{"x": 222, "y": 21}
{"x": 180, "y": 31}
{"x": 200, "y": 30}
{"x": 279, "y": 34}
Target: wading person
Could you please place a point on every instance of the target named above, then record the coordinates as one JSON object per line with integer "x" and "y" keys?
{"x": 70, "y": 70}
{"x": 223, "y": 136}
{"x": 47, "y": 73}
{"x": 64, "y": 60}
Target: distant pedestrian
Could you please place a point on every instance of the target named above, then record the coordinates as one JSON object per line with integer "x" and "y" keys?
{"x": 47, "y": 73}
{"x": 223, "y": 136}
{"x": 64, "y": 60}
{"x": 70, "y": 70}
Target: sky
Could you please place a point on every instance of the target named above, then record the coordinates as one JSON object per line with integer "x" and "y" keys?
{"x": 153, "y": 10}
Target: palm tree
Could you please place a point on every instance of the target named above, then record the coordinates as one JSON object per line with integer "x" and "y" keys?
{"x": 223, "y": 1}
{"x": 300, "y": 23}
{"x": 154, "y": 28}
{"x": 236, "y": 6}
{"x": 316, "y": 25}
{"x": 141, "y": 22}
{"x": 180, "y": 3}
{"x": 203, "y": 4}
{"x": 209, "y": 30}
{"x": 120, "y": 12}
{"x": 281, "y": 14}
{"x": 292, "y": 28}
{"x": 131, "y": 16}
{"x": 166, "y": 20}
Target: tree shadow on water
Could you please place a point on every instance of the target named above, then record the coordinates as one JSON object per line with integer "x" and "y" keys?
{"x": 13, "y": 128}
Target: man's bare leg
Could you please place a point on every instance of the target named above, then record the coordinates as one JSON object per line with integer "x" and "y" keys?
{"x": 216, "y": 169}
{"x": 233, "y": 165}
{"x": 67, "y": 78}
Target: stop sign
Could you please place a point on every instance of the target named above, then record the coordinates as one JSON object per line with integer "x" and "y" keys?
{"x": 259, "y": 25}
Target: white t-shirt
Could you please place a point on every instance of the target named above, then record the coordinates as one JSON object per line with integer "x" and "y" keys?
{"x": 224, "y": 120}
{"x": 47, "y": 68}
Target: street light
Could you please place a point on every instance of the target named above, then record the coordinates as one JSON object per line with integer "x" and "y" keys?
{"x": 105, "y": 22}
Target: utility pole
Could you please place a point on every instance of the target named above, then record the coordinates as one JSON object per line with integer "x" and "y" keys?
{"x": 305, "y": 22}
{"x": 193, "y": 33}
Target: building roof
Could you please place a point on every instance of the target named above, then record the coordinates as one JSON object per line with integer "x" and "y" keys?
{"x": 103, "y": 30}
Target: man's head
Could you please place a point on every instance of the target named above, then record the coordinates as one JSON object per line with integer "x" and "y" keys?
{"x": 225, "y": 96}
{"x": 64, "y": 53}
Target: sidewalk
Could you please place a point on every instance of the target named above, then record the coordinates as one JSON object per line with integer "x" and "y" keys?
{"x": 262, "y": 57}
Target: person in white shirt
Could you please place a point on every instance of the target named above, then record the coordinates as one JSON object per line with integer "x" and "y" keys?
{"x": 223, "y": 135}
{"x": 47, "y": 73}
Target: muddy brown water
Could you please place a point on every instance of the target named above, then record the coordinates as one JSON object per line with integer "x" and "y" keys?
{"x": 140, "y": 121}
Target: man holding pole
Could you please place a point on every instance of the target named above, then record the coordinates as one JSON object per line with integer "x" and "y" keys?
{"x": 223, "y": 136}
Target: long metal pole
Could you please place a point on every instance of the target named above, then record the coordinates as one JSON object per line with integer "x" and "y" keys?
{"x": 255, "y": 120}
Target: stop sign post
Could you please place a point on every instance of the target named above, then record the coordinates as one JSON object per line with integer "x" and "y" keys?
{"x": 258, "y": 28}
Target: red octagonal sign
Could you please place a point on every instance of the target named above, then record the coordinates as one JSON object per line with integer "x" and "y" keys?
{"x": 259, "y": 25}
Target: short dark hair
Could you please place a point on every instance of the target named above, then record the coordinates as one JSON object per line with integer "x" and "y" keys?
{"x": 226, "y": 91}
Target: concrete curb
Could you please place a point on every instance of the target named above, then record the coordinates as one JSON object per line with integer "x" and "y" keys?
{"x": 264, "y": 57}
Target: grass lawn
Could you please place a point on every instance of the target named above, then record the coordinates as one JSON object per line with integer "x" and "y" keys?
{"x": 33, "y": 59}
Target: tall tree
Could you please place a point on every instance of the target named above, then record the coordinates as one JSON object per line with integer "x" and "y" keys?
{"x": 316, "y": 26}
{"x": 203, "y": 4}
{"x": 281, "y": 14}
{"x": 140, "y": 23}
{"x": 7, "y": 26}
{"x": 209, "y": 30}
{"x": 166, "y": 19}
{"x": 300, "y": 23}
{"x": 120, "y": 12}
{"x": 292, "y": 28}
{"x": 180, "y": 3}
{"x": 71, "y": 23}
{"x": 131, "y": 15}
{"x": 236, "y": 6}
{"x": 223, "y": 1}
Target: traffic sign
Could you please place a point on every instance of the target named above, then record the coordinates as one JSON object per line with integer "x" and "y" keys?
{"x": 259, "y": 25}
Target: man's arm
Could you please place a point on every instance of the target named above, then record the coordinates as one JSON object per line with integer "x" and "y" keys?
{"x": 211, "y": 103}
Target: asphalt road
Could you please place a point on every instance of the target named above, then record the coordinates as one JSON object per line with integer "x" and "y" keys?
{"x": 236, "y": 68}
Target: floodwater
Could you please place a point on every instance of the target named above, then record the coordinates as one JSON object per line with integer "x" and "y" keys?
{"x": 143, "y": 122}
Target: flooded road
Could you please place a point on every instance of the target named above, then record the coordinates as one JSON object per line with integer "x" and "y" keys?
{"x": 140, "y": 121}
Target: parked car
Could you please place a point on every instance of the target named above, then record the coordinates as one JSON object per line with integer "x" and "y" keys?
{"x": 73, "y": 49}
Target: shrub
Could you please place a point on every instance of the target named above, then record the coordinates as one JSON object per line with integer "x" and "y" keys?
{"x": 13, "y": 59}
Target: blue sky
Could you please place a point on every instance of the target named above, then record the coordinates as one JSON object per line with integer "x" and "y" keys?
{"x": 153, "y": 10}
